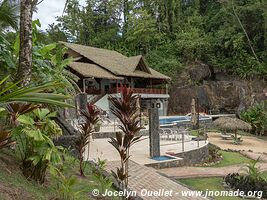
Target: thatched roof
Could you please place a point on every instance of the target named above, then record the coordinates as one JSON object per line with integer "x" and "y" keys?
{"x": 232, "y": 123}
{"x": 92, "y": 71}
{"x": 116, "y": 63}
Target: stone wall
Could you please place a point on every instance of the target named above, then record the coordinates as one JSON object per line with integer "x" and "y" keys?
{"x": 216, "y": 90}
{"x": 195, "y": 156}
{"x": 188, "y": 158}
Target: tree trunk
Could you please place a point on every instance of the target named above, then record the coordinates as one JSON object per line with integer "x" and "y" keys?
{"x": 125, "y": 15}
{"x": 24, "y": 70}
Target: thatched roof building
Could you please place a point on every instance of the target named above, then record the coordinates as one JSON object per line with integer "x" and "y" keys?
{"x": 103, "y": 63}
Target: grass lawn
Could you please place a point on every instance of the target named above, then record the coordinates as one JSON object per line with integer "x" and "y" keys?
{"x": 13, "y": 185}
{"x": 232, "y": 158}
{"x": 265, "y": 175}
{"x": 212, "y": 184}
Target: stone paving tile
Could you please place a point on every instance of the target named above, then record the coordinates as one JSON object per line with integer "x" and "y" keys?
{"x": 142, "y": 177}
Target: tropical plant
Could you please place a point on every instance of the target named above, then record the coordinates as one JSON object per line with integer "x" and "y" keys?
{"x": 90, "y": 118}
{"x": 8, "y": 15}
{"x": 251, "y": 180}
{"x": 65, "y": 186}
{"x": 125, "y": 110}
{"x": 34, "y": 138}
{"x": 257, "y": 117}
{"x": 7, "y": 58}
{"x": 10, "y": 92}
{"x": 252, "y": 170}
{"x": 214, "y": 154}
{"x": 102, "y": 182}
{"x": 48, "y": 62}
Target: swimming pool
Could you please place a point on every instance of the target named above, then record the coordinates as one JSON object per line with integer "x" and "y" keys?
{"x": 162, "y": 158}
{"x": 174, "y": 119}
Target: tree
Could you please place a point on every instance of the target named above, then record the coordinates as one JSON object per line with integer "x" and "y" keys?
{"x": 8, "y": 15}
{"x": 25, "y": 53}
{"x": 177, "y": 31}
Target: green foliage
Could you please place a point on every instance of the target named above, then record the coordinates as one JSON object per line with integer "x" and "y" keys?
{"x": 214, "y": 154}
{"x": 253, "y": 171}
{"x": 10, "y": 92}
{"x": 171, "y": 33}
{"x": 65, "y": 186}
{"x": 252, "y": 180}
{"x": 17, "y": 186}
{"x": 34, "y": 136}
{"x": 7, "y": 59}
{"x": 257, "y": 117}
{"x": 8, "y": 15}
{"x": 103, "y": 182}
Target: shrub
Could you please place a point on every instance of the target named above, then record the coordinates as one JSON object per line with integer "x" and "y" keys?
{"x": 252, "y": 180}
{"x": 257, "y": 117}
{"x": 65, "y": 186}
{"x": 214, "y": 154}
{"x": 34, "y": 142}
{"x": 103, "y": 182}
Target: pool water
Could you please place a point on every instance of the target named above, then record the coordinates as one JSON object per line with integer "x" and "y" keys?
{"x": 173, "y": 120}
{"x": 162, "y": 158}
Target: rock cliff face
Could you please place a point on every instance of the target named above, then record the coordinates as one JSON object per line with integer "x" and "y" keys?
{"x": 217, "y": 91}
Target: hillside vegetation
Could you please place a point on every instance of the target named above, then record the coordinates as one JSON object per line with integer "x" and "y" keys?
{"x": 230, "y": 35}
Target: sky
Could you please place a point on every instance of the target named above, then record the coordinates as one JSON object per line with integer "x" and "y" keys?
{"x": 48, "y": 10}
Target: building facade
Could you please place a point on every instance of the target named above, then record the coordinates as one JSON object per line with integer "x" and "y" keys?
{"x": 104, "y": 72}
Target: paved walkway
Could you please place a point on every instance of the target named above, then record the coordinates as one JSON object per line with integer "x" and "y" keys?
{"x": 101, "y": 148}
{"x": 144, "y": 178}
{"x": 197, "y": 172}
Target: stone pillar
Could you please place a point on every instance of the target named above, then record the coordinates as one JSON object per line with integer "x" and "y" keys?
{"x": 154, "y": 138}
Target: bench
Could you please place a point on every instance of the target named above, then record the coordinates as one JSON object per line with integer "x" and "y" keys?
{"x": 226, "y": 137}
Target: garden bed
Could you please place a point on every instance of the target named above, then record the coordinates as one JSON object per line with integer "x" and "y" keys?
{"x": 13, "y": 185}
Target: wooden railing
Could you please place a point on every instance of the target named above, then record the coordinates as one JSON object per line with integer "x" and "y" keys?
{"x": 146, "y": 90}
{"x": 135, "y": 90}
